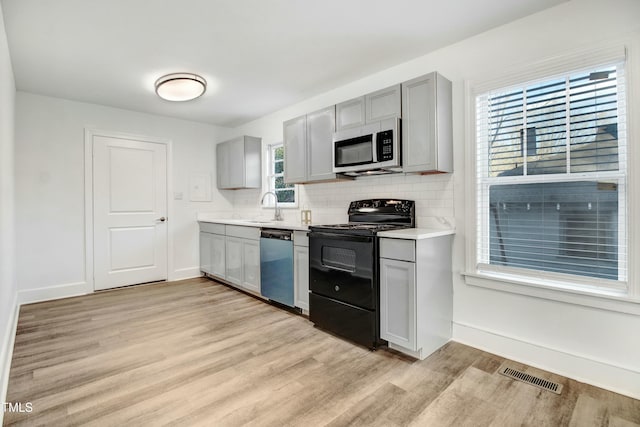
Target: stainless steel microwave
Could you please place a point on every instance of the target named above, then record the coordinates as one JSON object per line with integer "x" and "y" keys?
{"x": 370, "y": 149}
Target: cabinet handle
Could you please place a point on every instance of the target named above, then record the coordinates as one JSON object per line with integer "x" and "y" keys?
{"x": 161, "y": 219}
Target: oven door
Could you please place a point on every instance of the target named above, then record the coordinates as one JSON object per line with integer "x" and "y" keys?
{"x": 343, "y": 267}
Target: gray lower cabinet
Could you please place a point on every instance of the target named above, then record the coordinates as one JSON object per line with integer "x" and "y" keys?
{"x": 416, "y": 294}
{"x": 251, "y": 265}
{"x": 205, "y": 252}
{"x": 231, "y": 253}
{"x": 213, "y": 249}
{"x": 379, "y": 105}
{"x": 234, "y": 260}
{"x": 308, "y": 147}
{"x": 239, "y": 163}
{"x": 398, "y": 302}
{"x": 301, "y": 269}
{"x": 427, "y": 144}
{"x": 218, "y": 256}
{"x": 243, "y": 257}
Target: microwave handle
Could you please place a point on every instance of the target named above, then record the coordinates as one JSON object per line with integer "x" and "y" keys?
{"x": 374, "y": 146}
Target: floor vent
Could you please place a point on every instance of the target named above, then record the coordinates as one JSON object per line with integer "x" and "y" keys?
{"x": 530, "y": 379}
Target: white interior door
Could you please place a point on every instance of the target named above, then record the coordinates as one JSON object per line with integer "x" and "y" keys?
{"x": 129, "y": 212}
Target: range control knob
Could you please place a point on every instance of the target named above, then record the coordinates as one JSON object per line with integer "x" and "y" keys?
{"x": 337, "y": 288}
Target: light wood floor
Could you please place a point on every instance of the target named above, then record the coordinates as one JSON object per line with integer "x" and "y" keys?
{"x": 199, "y": 353}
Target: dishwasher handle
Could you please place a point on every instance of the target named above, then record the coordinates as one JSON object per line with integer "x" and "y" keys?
{"x": 275, "y": 233}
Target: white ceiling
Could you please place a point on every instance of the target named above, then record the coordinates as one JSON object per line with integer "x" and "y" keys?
{"x": 257, "y": 55}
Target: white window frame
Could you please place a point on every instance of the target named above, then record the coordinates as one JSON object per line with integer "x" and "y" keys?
{"x": 271, "y": 178}
{"x": 579, "y": 291}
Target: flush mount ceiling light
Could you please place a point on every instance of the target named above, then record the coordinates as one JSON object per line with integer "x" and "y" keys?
{"x": 180, "y": 86}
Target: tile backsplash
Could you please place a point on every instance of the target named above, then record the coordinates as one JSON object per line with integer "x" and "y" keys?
{"x": 329, "y": 201}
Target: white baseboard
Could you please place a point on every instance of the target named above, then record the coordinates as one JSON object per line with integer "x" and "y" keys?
{"x": 67, "y": 290}
{"x": 185, "y": 273}
{"x": 6, "y": 351}
{"x": 619, "y": 379}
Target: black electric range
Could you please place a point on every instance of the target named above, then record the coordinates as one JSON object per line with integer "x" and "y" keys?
{"x": 344, "y": 289}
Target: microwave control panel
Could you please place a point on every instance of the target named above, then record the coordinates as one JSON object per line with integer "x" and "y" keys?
{"x": 384, "y": 142}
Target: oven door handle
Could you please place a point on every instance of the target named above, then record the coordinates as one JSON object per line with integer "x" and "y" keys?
{"x": 341, "y": 237}
{"x": 342, "y": 270}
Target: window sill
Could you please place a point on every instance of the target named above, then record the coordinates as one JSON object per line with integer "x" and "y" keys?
{"x": 606, "y": 300}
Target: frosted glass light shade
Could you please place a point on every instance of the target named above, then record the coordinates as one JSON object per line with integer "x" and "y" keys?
{"x": 180, "y": 86}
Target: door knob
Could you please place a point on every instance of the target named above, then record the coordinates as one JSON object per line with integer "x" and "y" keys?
{"x": 161, "y": 219}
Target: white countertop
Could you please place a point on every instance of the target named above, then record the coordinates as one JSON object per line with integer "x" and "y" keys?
{"x": 285, "y": 225}
{"x": 406, "y": 233}
{"x": 417, "y": 233}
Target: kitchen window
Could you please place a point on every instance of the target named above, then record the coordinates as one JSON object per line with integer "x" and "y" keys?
{"x": 551, "y": 180}
{"x": 286, "y": 192}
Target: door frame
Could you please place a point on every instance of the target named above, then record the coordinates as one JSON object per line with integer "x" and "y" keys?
{"x": 89, "y": 133}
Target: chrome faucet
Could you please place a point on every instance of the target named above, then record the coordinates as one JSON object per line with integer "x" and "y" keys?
{"x": 277, "y": 214}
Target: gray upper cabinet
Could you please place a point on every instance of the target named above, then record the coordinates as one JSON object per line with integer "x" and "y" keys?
{"x": 379, "y": 105}
{"x": 222, "y": 165}
{"x": 383, "y": 104}
{"x": 426, "y": 125}
{"x": 308, "y": 142}
{"x": 295, "y": 150}
{"x": 351, "y": 113}
{"x": 320, "y": 128}
{"x": 239, "y": 163}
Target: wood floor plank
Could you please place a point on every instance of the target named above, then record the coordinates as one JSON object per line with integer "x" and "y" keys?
{"x": 197, "y": 352}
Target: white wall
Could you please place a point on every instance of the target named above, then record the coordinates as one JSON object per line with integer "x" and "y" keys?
{"x": 593, "y": 345}
{"x": 50, "y": 201}
{"x": 8, "y": 289}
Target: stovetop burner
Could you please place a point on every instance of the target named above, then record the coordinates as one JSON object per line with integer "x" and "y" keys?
{"x": 368, "y": 217}
{"x": 359, "y": 228}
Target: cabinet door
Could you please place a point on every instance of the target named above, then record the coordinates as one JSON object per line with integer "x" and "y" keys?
{"x": 301, "y": 276}
{"x": 398, "y": 302}
{"x": 418, "y": 125}
{"x": 252, "y": 162}
{"x": 320, "y": 128}
{"x": 236, "y": 164}
{"x": 222, "y": 165}
{"x": 218, "y": 255}
{"x": 350, "y": 114}
{"x": 205, "y": 252}
{"x": 383, "y": 104}
{"x": 251, "y": 265}
{"x": 295, "y": 150}
{"x": 234, "y": 260}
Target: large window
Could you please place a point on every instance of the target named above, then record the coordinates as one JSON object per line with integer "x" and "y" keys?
{"x": 551, "y": 177}
{"x": 286, "y": 192}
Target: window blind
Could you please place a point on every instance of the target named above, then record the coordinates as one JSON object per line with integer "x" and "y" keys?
{"x": 551, "y": 184}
